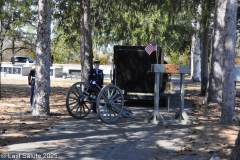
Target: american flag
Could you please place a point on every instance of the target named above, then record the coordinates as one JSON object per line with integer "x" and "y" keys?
{"x": 151, "y": 47}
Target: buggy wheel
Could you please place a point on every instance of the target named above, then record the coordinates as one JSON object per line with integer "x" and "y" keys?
{"x": 110, "y": 103}
{"x": 77, "y": 102}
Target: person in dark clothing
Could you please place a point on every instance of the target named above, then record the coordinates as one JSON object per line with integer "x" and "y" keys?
{"x": 95, "y": 79}
{"x": 31, "y": 82}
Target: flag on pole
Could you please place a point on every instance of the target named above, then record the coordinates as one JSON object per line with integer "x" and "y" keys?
{"x": 151, "y": 47}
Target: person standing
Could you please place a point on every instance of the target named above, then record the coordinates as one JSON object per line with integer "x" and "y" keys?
{"x": 95, "y": 79}
{"x": 31, "y": 82}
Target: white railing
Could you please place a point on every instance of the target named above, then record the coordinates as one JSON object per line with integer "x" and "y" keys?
{"x": 8, "y": 67}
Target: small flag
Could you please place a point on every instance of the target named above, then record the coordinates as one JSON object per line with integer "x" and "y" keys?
{"x": 151, "y": 47}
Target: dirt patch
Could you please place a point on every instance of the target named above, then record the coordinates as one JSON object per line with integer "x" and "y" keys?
{"x": 208, "y": 135}
{"x": 17, "y": 125}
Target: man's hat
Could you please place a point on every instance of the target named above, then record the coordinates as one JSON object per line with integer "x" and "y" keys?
{"x": 96, "y": 62}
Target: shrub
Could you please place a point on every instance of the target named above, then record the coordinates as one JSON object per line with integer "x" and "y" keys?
{"x": 76, "y": 61}
{"x": 185, "y": 59}
{"x": 174, "y": 58}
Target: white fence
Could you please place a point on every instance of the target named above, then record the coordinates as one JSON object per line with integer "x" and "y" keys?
{"x": 57, "y": 70}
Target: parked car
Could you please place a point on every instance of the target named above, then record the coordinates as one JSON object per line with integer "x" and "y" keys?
{"x": 21, "y": 59}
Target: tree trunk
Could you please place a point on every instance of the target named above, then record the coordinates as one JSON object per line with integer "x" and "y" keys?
{"x": 1, "y": 47}
{"x": 214, "y": 87}
{"x": 86, "y": 40}
{"x": 1, "y": 71}
{"x": 205, "y": 25}
{"x": 204, "y": 59}
{"x": 236, "y": 150}
{"x": 229, "y": 45}
{"x": 195, "y": 55}
{"x": 42, "y": 81}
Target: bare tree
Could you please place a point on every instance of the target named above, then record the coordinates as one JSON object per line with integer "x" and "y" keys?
{"x": 42, "y": 83}
{"x": 229, "y": 44}
{"x": 207, "y": 8}
{"x": 86, "y": 40}
{"x": 214, "y": 86}
{"x": 195, "y": 54}
{"x": 1, "y": 46}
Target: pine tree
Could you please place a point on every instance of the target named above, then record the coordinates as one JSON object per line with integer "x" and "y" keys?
{"x": 42, "y": 81}
{"x": 86, "y": 40}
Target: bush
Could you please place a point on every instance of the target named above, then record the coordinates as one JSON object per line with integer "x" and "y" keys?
{"x": 76, "y": 61}
{"x": 185, "y": 59}
{"x": 32, "y": 54}
{"x": 174, "y": 58}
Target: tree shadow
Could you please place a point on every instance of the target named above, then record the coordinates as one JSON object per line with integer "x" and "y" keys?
{"x": 68, "y": 138}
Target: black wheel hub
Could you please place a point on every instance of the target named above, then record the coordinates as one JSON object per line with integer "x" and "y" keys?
{"x": 80, "y": 100}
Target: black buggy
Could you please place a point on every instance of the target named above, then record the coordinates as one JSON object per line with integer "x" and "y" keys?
{"x": 131, "y": 79}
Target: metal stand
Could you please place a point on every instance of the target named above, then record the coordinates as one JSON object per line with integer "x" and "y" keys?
{"x": 180, "y": 117}
{"x": 168, "y": 102}
{"x": 156, "y": 117}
